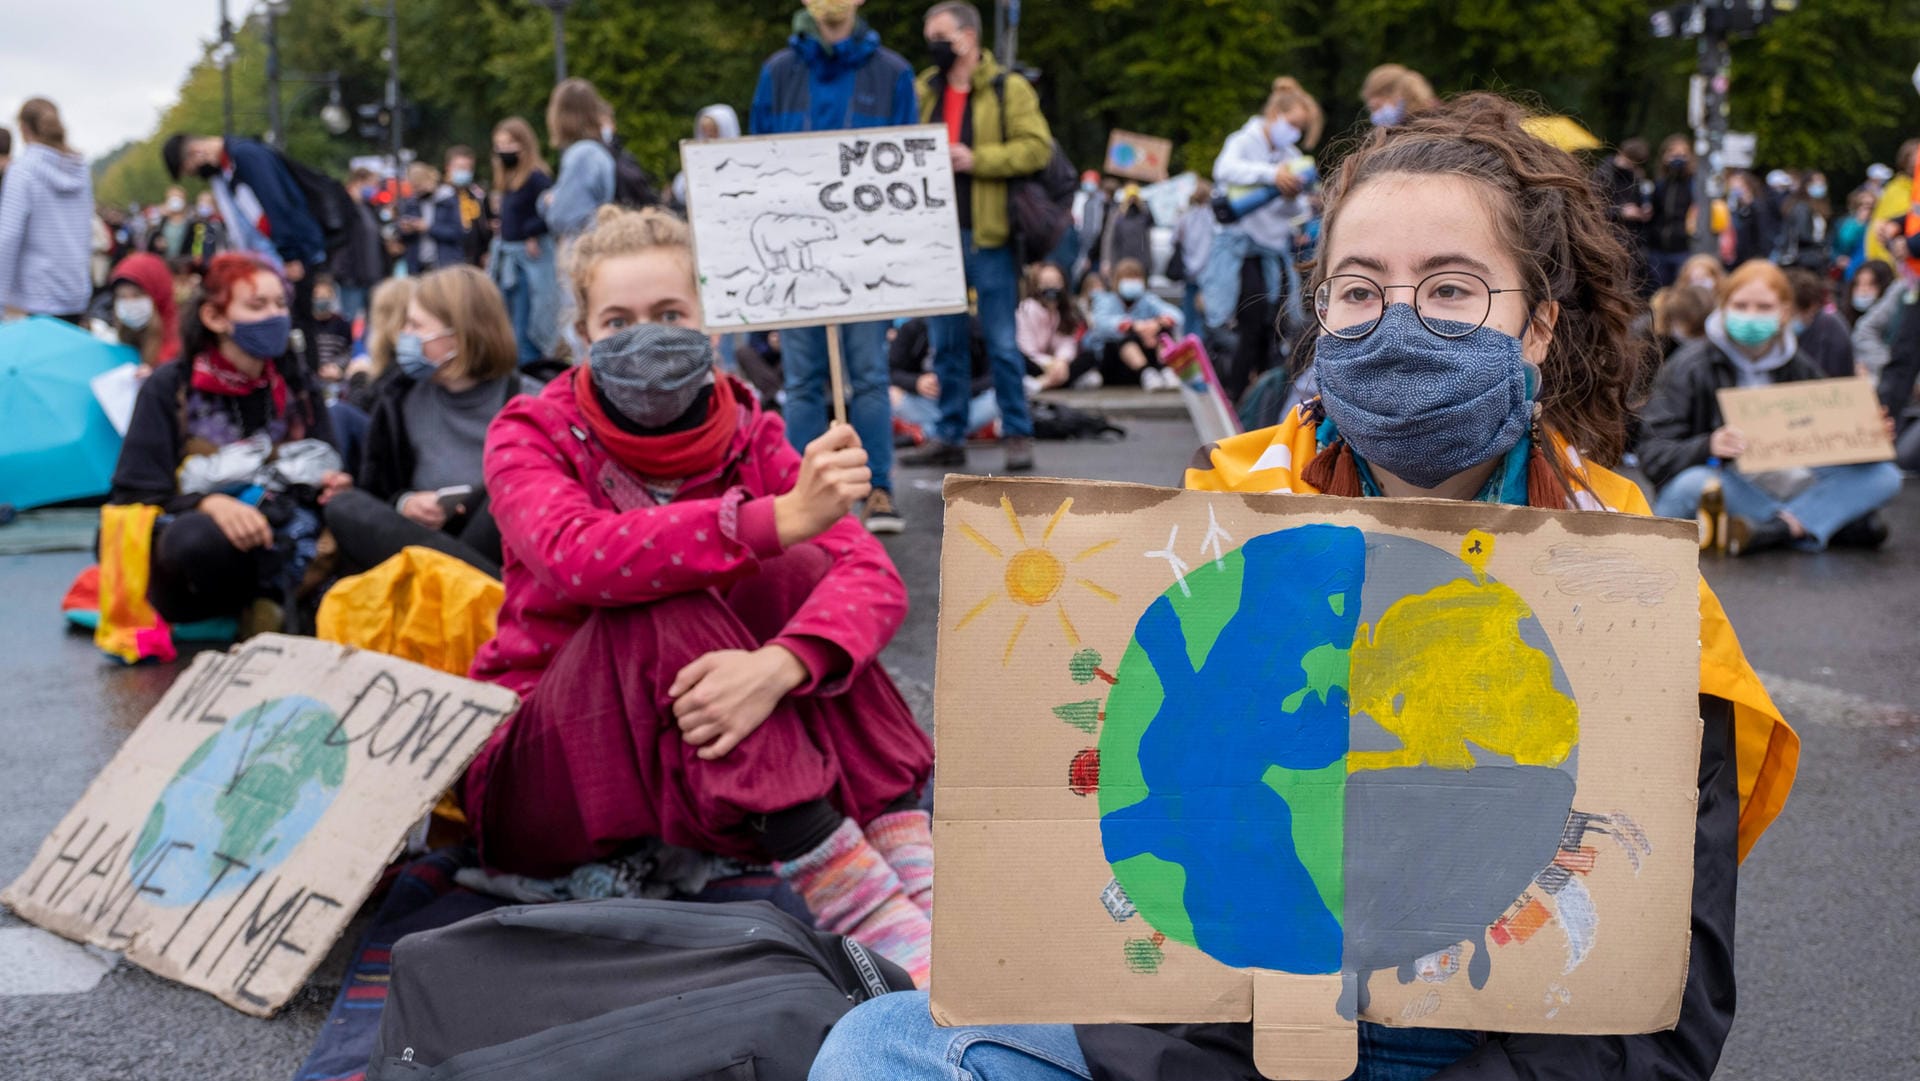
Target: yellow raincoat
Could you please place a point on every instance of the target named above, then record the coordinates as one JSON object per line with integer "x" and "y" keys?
{"x": 1767, "y": 749}
{"x": 422, "y": 606}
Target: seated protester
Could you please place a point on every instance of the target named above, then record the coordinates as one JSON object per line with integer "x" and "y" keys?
{"x": 693, "y": 621}
{"x": 386, "y": 320}
{"x": 1047, "y": 327}
{"x": 915, "y": 392}
{"x": 1865, "y": 289}
{"x": 1679, "y": 316}
{"x": 144, "y": 314}
{"x": 1525, "y": 214}
{"x": 1123, "y": 335}
{"x": 1687, "y": 442}
{"x": 1874, "y": 329}
{"x": 1824, "y": 337}
{"x": 757, "y": 356}
{"x": 329, "y": 336}
{"x": 420, "y": 481}
{"x": 233, "y": 529}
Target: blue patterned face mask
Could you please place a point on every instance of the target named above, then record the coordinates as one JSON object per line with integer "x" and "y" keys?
{"x": 1422, "y": 407}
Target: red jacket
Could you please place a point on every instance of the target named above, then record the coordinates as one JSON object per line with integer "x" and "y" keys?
{"x": 580, "y": 532}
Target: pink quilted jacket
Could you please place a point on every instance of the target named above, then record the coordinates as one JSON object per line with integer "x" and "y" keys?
{"x": 580, "y": 532}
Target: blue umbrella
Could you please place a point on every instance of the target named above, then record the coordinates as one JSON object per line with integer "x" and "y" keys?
{"x": 55, "y": 441}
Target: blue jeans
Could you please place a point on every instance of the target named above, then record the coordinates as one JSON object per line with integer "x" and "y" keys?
{"x": 1220, "y": 279}
{"x": 995, "y": 281}
{"x": 519, "y": 300}
{"x": 1190, "y": 303}
{"x": 809, "y": 386}
{"x": 1839, "y": 494}
{"x": 353, "y": 301}
{"x": 924, "y": 413}
{"x": 894, "y": 1037}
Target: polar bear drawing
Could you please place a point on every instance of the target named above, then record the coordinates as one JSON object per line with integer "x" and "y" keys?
{"x": 783, "y": 241}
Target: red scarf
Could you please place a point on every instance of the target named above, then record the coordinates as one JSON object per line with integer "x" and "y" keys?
{"x": 215, "y": 374}
{"x": 675, "y": 456}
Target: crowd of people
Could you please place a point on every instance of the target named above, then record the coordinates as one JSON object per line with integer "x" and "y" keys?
{"x": 507, "y": 365}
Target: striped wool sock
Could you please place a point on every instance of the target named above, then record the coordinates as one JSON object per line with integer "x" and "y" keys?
{"x": 905, "y": 838}
{"x": 851, "y": 891}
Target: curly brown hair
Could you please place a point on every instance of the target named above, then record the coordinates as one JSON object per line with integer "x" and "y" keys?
{"x": 1555, "y": 223}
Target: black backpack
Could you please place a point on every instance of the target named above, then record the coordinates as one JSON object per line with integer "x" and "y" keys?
{"x": 327, "y": 201}
{"x": 1039, "y": 206}
{"x": 633, "y": 186}
{"x": 621, "y": 990}
{"x": 1052, "y": 420}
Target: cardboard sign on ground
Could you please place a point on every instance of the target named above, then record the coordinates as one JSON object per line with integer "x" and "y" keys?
{"x": 837, "y": 227}
{"x": 1305, "y": 761}
{"x": 1808, "y": 423}
{"x": 1138, "y": 157}
{"x": 240, "y": 826}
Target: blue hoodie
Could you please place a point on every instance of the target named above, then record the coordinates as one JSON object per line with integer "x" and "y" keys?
{"x": 810, "y": 86}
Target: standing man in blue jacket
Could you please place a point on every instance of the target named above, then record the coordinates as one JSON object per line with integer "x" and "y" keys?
{"x": 834, "y": 75}
{"x": 264, "y": 207}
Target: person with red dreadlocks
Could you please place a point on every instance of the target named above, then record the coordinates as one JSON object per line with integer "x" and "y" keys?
{"x": 232, "y": 528}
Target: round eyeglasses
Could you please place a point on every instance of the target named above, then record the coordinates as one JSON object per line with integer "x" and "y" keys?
{"x": 1450, "y": 303}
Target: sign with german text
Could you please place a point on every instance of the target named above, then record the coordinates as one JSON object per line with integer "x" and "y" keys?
{"x": 241, "y": 825}
{"x": 835, "y": 227}
{"x": 1808, "y": 423}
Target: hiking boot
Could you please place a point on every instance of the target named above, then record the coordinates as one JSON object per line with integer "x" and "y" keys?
{"x": 1868, "y": 531}
{"x": 1019, "y": 453}
{"x": 880, "y": 517}
{"x": 935, "y": 453}
{"x": 1745, "y": 537}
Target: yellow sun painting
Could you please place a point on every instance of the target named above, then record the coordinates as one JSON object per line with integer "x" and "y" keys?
{"x": 1034, "y": 575}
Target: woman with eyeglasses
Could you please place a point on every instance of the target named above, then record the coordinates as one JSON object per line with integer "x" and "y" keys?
{"x": 1688, "y": 443}
{"x": 1486, "y": 355}
{"x": 420, "y": 481}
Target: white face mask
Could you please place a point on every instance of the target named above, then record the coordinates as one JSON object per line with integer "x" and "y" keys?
{"x": 134, "y": 313}
{"x": 176, "y": 205}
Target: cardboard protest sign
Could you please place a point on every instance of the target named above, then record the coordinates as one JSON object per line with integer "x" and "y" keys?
{"x": 240, "y": 826}
{"x": 836, "y": 227}
{"x": 1807, "y": 423}
{"x": 1138, "y": 157}
{"x": 1306, "y": 760}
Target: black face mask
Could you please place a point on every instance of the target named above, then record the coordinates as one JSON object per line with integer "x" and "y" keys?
{"x": 941, "y": 53}
{"x": 1676, "y": 165}
{"x": 1051, "y": 296}
{"x": 208, "y": 170}
{"x": 510, "y": 159}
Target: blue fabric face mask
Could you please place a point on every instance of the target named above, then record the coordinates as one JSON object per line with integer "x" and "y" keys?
{"x": 1281, "y": 133}
{"x": 263, "y": 339}
{"x": 1752, "y": 330}
{"x": 1422, "y": 407}
{"x": 410, "y": 353}
{"x": 1131, "y": 290}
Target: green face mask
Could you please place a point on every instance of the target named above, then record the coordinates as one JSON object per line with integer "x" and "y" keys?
{"x": 1752, "y": 330}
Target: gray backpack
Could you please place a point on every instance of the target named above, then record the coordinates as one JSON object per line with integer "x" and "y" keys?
{"x": 621, "y": 990}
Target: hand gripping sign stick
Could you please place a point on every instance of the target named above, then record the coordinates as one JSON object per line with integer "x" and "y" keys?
{"x": 824, "y": 229}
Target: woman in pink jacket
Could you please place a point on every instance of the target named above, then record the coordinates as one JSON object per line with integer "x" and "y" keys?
{"x": 693, "y": 621}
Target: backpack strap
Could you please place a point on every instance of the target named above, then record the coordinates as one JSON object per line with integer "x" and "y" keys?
{"x": 1000, "y": 91}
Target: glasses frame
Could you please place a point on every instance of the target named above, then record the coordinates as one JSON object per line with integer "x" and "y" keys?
{"x": 1416, "y": 287}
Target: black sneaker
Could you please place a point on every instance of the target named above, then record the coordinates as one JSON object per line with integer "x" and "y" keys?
{"x": 1868, "y": 531}
{"x": 935, "y": 453}
{"x": 1745, "y": 537}
{"x": 880, "y": 517}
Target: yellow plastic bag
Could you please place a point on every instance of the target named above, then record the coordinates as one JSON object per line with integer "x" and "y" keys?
{"x": 422, "y": 606}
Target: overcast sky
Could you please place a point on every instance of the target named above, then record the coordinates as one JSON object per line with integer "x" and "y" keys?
{"x": 111, "y": 65}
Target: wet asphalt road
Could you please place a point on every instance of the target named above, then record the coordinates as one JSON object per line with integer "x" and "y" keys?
{"x": 1829, "y": 934}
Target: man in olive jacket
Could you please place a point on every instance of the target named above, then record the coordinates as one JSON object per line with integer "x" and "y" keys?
{"x": 997, "y": 134}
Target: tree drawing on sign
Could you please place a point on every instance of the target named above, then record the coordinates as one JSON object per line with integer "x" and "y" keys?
{"x": 784, "y": 245}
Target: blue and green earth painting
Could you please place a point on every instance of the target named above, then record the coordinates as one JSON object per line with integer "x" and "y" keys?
{"x": 1335, "y": 750}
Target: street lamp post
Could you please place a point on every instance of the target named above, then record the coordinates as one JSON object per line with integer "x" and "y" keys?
{"x": 276, "y": 130}
{"x": 226, "y": 72}
{"x": 394, "y": 123}
{"x": 559, "y": 10}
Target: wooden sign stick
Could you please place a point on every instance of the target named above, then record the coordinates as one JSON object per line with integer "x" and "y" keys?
{"x": 837, "y": 371}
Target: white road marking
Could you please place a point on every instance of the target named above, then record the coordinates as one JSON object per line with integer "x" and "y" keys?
{"x": 1811, "y": 703}
{"x": 36, "y": 962}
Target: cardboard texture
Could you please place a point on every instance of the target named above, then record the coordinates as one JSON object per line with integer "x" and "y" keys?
{"x": 1807, "y": 423}
{"x": 837, "y": 227}
{"x": 1138, "y": 157}
{"x": 1307, "y": 760}
{"x": 240, "y": 826}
